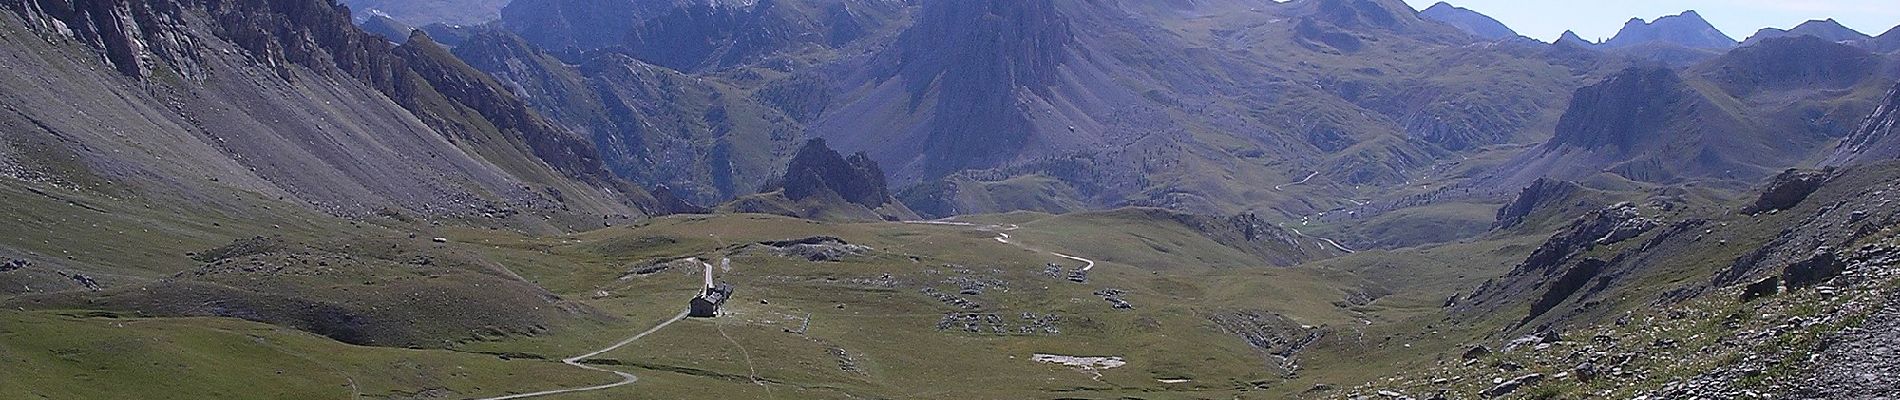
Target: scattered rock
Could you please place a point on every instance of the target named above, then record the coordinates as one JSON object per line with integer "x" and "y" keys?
{"x": 1823, "y": 266}
{"x": 1476, "y": 352}
{"x": 1769, "y": 286}
{"x": 1512, "y": 385}
{"x": 816, "y": 249}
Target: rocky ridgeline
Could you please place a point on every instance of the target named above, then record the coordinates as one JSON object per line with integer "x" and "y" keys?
{"x": 1279, "y": 339}
{"x": 1562, "y": 266}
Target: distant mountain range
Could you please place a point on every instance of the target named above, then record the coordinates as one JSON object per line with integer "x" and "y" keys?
{"x": 1058, "y": 105}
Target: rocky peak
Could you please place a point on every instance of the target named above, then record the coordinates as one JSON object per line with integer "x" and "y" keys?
{"x": 1826, "y": 29}
{"x": 1472, "y": 22}
{"x": 1687, "y": 29}
{"x": 817, "y": 170}
{"x": 1570, "y": 38}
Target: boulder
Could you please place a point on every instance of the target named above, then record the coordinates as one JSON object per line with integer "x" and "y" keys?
{"x": 1512, "y": 385}
{"x": 1788, "y": 190}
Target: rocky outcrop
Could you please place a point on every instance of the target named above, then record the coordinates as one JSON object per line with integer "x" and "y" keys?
{"x": 816, "y": 249}
{"x": 817, "y": 171}
{"x": 1472, "y": 22}
{"x": 1603, "y": 227}
{"x": 1789, "y": 189}
{"x": 1543, "y": 194}
{"x": 821, "y": 184}
{"x": 1687, "y": 30}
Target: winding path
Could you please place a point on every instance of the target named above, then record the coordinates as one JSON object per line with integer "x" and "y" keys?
{"x": 1002, "y": 236}
{"x": 1309, "y": 178}
{"x": 578, "y": 361}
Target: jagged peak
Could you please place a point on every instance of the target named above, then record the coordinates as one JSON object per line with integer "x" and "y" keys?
{"x": 1687, "y": 29}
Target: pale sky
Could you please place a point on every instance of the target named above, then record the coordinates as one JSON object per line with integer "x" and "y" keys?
{"x": 1600, "y": 19}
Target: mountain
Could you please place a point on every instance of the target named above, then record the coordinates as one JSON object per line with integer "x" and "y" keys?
{"x": 1826, "y": 29}
{"x": 1742, "y": 116}
{"x": 1617, "y": 126}
{"x": 426, "y": 12}
{"x": 1465, "y": 19}
{"x": 1687, "y": 30}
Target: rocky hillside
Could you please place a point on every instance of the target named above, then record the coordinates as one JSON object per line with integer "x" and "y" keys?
{"x": 1887, "y": 42}
{"x": 237, "y": 95}
{"x": 1875, "y": 140}
{"x": 1472, "y": 22}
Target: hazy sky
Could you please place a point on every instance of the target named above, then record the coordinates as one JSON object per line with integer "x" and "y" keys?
{"x": 1600, "y": 19}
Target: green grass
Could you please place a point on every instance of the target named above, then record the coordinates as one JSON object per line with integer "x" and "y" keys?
{"x": 58, "y": 355}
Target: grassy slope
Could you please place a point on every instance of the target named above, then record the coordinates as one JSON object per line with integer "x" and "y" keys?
{"x": 58, "y": 355}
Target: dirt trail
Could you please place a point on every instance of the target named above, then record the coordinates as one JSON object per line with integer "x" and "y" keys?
{"x": 579, "y": 361}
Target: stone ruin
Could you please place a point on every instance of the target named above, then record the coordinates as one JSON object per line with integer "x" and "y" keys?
{"x": 995, "y": 324}
{"x": 1114, "y": 298}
